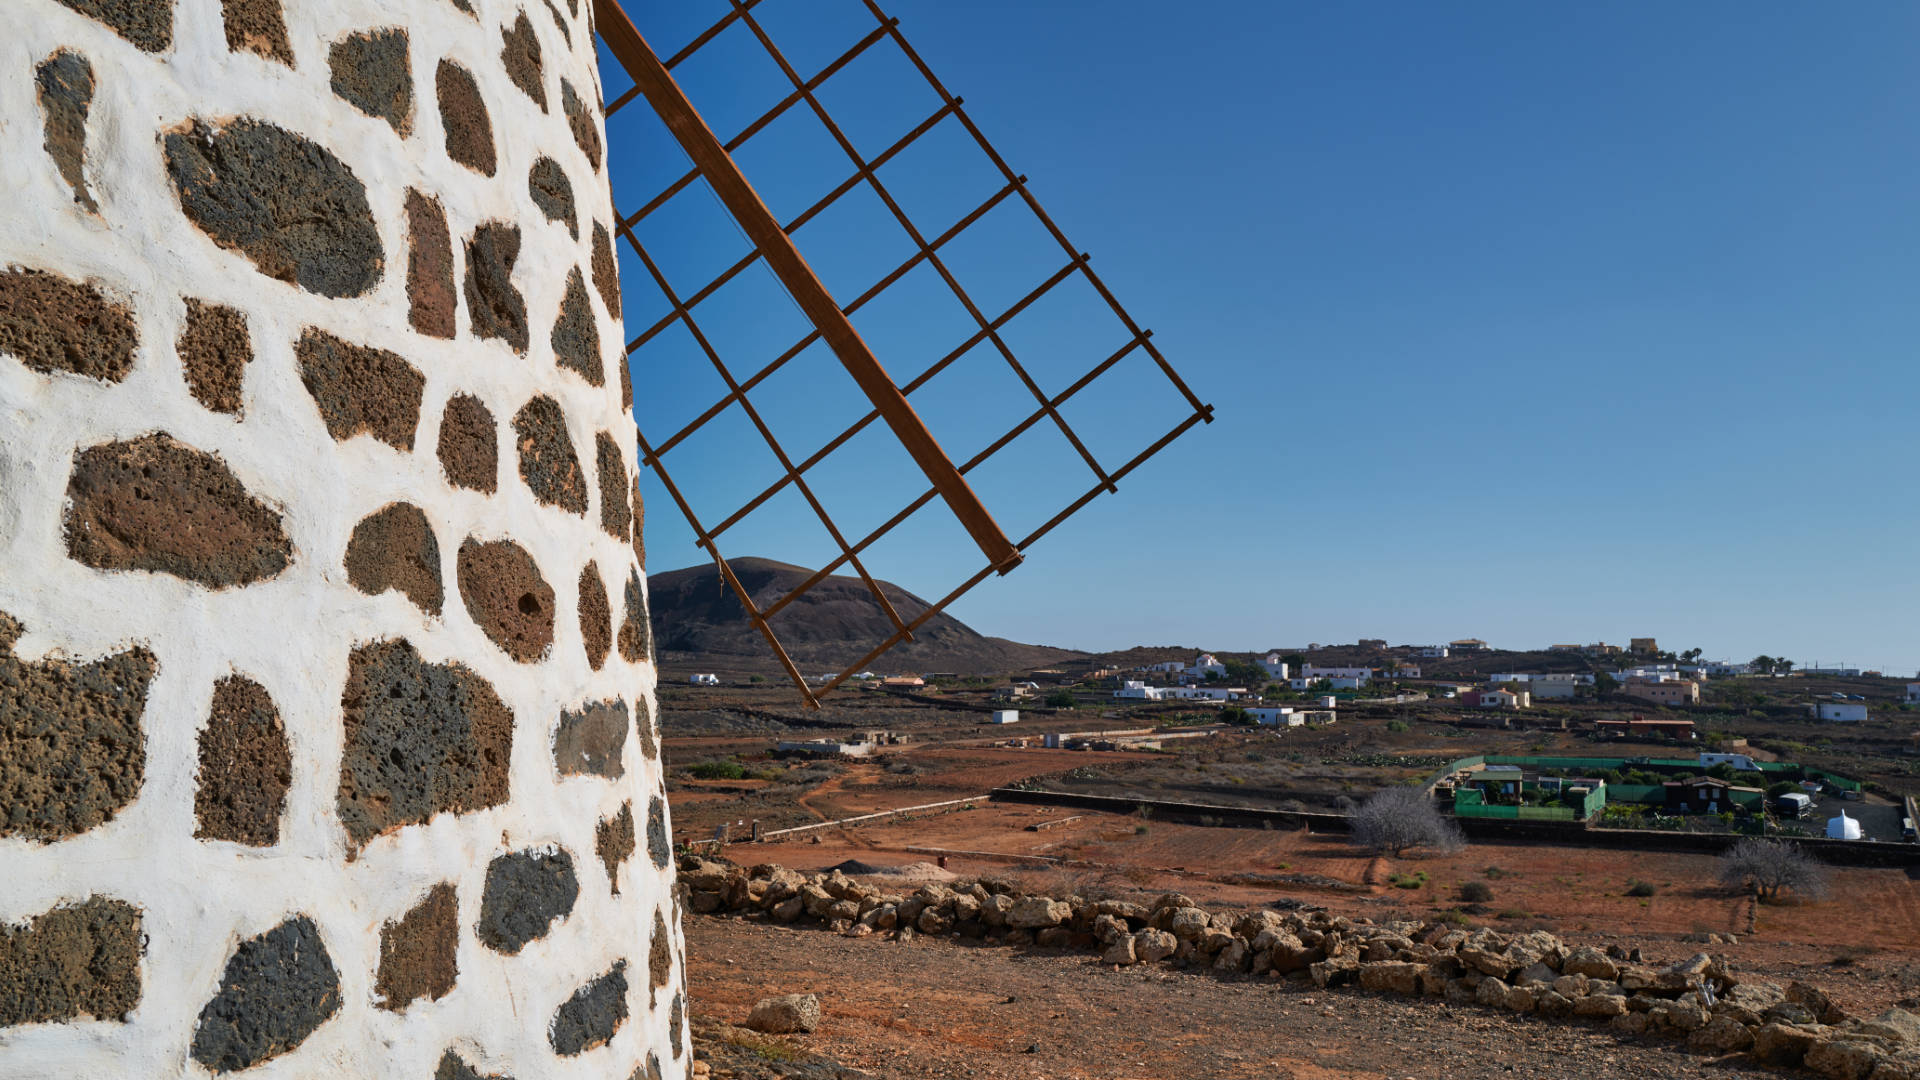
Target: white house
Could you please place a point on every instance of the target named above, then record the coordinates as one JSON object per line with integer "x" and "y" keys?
{"x": 1721, "y": 669}
{"x": 1206, "y": 664}
{"x": 1276, "y": 716}
{"x": 1556, "y": 690}
{"x": 1168, "y": 667}
{"x": 1276, "y": 669}
{"x": 1913, "y": 693}
{"x": 704, "y": 680}
{"x": 1139, "y": 691}
{"x": 1334, "y": 682}
{"x": 1501, "y": 699}
{"x": 1405, "y": 670}
{"x": 1839, "y": 712}
{"x": 1311, "y": 672}
{"x": 1203, "y": 693}
{"x": 1005, "y": 716}
{"x": 1432, "y": 652}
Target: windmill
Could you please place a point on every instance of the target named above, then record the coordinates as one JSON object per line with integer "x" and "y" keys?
{"x": 713, "y": 162}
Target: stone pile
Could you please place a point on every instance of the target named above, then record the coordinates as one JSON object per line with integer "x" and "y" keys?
{"x": 1701, "y": 1000}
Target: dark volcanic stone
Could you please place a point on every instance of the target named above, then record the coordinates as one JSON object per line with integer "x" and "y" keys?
{"x": 616, "y": 517}
{"x": 591, "y": 739}
{"x": 506, "y": 596}
{"x": 596, "y": 617}
{"x": 606, "y": 272}
{"x": 553, "y": 193}
{"x": 394, "y": 548}
{"x": 72, "y": 752}
{"x": 245, "y": 766}
{"x": 463, "y": 114}
{"x": 469, "y": 446}
{"x": 371, "y": 73}
{"x": 576, "y": 338}
{"x": 257, "y": 26}
{"x": 418, "y": 954}
{"x": 586, "y": 133}
{"x": 278, "y": 989}
{"x": 146, "y": 23}
{"x": 361, "y": 389}
{"x": 431, "y": 297}
{"x": 421, "y": 739}
{"x": 495, "y": 308}
{"x": 52, "y": 324}
{"x": 76, "y": 960}
{"x": 285, "y": 202}
{"x": 660, "y": 952}
{"x": 613, "y": 841}
{"x": 65, "y": 80}
{"x": 560, "y": 22}
{"x": 659, "y": 843}
{"x": 215, "y": 350}
{"x": 520, "y": 54}
{"x": 526, "y": 893}
{"x": 547, "y": 461}
{"x": 639, "y": 526}
{"x": 160, "y": 505}
{"x": 676, "y": 1022}
{"x": 652, "y": 1069}
{"x": 451, "y": 1067}
{"x": 592, "y": 1015}
{"x": 636, "y": 636}
{"x": 643, "y": 724}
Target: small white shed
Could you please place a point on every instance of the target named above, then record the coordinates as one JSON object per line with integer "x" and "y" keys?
{"x": 1005, "y": 716}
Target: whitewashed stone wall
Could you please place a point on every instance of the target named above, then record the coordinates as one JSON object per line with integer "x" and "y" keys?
{"x": 326, "y": 737}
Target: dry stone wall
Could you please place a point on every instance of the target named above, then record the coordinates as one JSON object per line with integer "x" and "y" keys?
{"x": 325, "y": 678}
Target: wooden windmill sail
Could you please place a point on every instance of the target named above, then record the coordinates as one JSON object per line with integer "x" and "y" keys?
{"x": 890, "y": 403}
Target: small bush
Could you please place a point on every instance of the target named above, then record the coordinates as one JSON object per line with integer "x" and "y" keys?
{"x": 1476, "y": 892}
{"x": 717, "y": 770}
{"x": 1414, "y": 880}
{"x": 1495, "y": 873}
{"x": 1641, "y": 888}
{"x": 1397, "y": 726}
{"x": 1141, "y": 829}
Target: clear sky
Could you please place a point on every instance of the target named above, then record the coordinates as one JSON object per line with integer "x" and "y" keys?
{"x": 1530, "y": 322}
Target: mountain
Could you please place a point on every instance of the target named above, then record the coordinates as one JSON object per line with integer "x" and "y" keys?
{"x": 697, "y": 619}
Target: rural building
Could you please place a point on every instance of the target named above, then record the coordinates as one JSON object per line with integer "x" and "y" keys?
{"x": 1567, "y": 648}
{"x": 1020, "y": 692}
{"x": 1497, "y": 698}
{"x": 1276, "y": 668}
{"x": 1005, "y": 716}
{"x": 1839, "y": 712}
{"x": 1913, "y": 693}
{"x": 1644, "y": 646}
{"x": 1406, "y": 671}
{"x": 1338, "y": 682}
{"x": 1642, "y": 728}
{"x": 1668, "y": 692}
{"x": 825, "y": 748}
{"x": 1708, "y": 795}
{"x": 1471, "y": 644}
{"x": 704, "y": 680}
{"x": 903, "y": 682}
{"x": 1139, "y": 691}
{"x": 1311, "y": 672}
{"x": 1740, "y": 762}
{"x": 1168, "y": 667}
{"x": 1553, "y": 690}
{"x": 1431, "y": 652}
{"x": 1721, "y": 669}
{"x": 1206, "y": 664}
{"x": 1275, "y": 716}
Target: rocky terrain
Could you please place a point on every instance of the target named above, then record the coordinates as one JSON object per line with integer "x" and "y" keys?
{"x": 1558, "y": 993}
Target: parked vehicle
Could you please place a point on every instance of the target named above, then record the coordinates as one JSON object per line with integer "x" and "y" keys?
{"x": 1793, "y": 805}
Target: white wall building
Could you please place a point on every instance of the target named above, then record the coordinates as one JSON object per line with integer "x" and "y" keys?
{"x": 1913, "y": 693}
{"x": 1005, "y": 716}
{"x": 1276, "y": 716}
{"x": 1206, "y": 664}
{"x": 704, "y": 680}
{"x": 1276, "y": 668}
{"x": 1139, "y": 691}
{"x": 1432, "y": 652}
{"x": 1311, "y": 672}
{"x": 1721, "y": 669}
{"x": 1341, "y": 682}
{"x": 1839, "y": 712}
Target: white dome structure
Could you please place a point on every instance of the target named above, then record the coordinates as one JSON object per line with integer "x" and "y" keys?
{"x": 1843, "y": 828}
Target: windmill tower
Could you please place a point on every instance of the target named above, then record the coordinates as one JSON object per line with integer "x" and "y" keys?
{"x": 326, "y": 740}
{"x": 326, "y": 682}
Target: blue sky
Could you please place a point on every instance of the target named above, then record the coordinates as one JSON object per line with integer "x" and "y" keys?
{"x": 1528, "y": 322}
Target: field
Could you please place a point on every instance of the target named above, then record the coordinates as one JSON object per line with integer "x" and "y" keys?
{"x": 1862, "y": 940}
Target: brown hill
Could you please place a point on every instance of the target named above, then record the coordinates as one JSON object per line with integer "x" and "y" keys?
{"x": 697, "y": 620}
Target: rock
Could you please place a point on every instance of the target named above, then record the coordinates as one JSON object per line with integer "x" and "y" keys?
{"x": 1601, "y": 1005}
{"x": 1680, "y": 1015}
{"x": 1335, "y": 971}
{"x": 1843, "y": 1059}
{"x": 1722, "y": 1034}
{"x": 1552, "y": 1003}
{"x": 1687, "y": 974}
{"x": 1816, "y": 1001}
{"x": 1637, "y": 977}
{"x": 1034, "y": 912}
{"x": 1392, "y": 976}
{"x": 1188, "y": 923}
{"x": 1119, "y": 951}
{"x": 786, "y": 1014}
{"x": 1787, "y": 1012}
{"x": 1109, "y": 928}
{"x": 1520, "y": 999}
{"x": 1491, "y": 991}
{"x": 1782, "y": 1043}
{"x": 1590, "y": 962}
{"x": 1889, "y": 1070}
{"x": 1895, "y": 1025}
{"x": 1213, "y": 939}
{"x": 1053, "y": 937}
{"x": 995, "y": 909}
{"x": 1233, "y": 958}
{"x": 1630, "y": 1023}
{"x": 1535, "y": 974}
{"x": 1571, "y": 986}
{"x": 788, "y": 910}
{"x": 1154, "y": 945}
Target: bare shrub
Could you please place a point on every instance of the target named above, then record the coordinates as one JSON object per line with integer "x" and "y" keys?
{"x": 1396, "y": 820}
{"x": 1770, "y": 867}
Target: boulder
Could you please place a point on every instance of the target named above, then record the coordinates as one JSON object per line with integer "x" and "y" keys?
{"x": 1896, "y": 1070}
{"x": 1783, "y": 1044}
{"x": 1536, "y": 974}
{"x": 1843, "y": 1059}
{"x": 699, "y": 874}
{"x": 1894, "y": 1025}
{"x": 1034, "y": 912}
{"x": 1053, "y": 937}
{"x": 787, "y": 910}
{"x": 706, "y": 901}
{"x": 816, "y": 899}
{"x": 1335, "y": 971}
{"x": 782, "y": 883}
{"x": 1571, "y": 986}
{"x": 1188, "y": 923}
{"x": 843, "y": 911}
{"x": 1723, "y": 1035}
{"x": 1520, "y": 999}
{"x": 1392, "y": 976}
{"x": 1213, "y": 939}
{"x": 994, "y": 910}
{"x": 787, "y": 1014}
{"x": 1789, "y": 1012}
{"x": 1601, "y": 1005}
{"x": 965, "y": 907}
{"x": 1684, "y": 1016}
{"x": 1637, "y": 977}
{"x": 1629, "y": 1023}
{"x": 1110, "y": 928}
{"x": 1233, "y": 958}
{"x": 1491, "y": 991}
{"x": 1816, "y": 1001}
{"x": 1119, "y": 951}
{"x": 1686, "y": 974}
{"x": 1552, "y": 1003}
{"x": 1590, "y": 962}
{"x": 933, "y": 920}
{"x": 1152, "y": 945}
